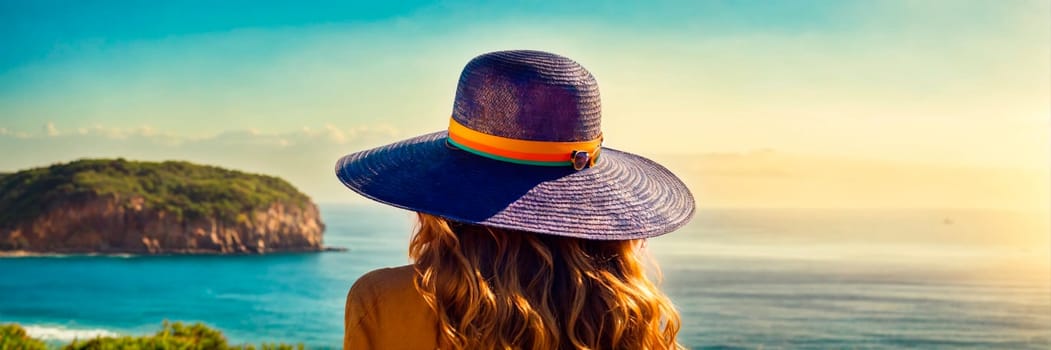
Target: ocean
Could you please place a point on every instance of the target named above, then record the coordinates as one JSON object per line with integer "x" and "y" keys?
{"x": 741, "y": 278}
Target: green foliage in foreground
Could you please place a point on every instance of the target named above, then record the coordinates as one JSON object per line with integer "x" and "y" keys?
{"x": 12, "y": 336}
{"x": 172, "y": 336}
{"x": 178, "y": 188}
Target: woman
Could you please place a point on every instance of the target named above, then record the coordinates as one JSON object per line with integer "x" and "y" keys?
{"x": 529, "y": 231}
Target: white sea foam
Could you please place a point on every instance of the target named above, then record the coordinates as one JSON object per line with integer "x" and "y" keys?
{"x": 65, "y": 334}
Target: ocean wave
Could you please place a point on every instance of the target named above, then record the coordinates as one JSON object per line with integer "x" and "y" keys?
{"x": 65, "y": 334}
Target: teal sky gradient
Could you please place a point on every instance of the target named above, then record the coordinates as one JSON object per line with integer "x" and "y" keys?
{"x": 286, "y": 87}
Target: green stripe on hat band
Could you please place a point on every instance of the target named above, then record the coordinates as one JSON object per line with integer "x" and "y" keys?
{"x": 505, "y": 159}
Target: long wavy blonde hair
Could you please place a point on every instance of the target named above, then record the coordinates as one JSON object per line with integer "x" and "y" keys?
{"x": 502, "y": 289}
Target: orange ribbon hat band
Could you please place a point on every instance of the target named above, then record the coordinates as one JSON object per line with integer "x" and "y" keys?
{"x": 546, "y": 153}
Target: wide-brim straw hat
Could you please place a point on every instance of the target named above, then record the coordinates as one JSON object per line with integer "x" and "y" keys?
{"x": 524, "y": 152}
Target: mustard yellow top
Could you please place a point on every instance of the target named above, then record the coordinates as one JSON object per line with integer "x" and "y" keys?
{"x": 384, "y": 311}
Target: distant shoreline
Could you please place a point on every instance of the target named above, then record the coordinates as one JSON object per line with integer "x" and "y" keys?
{"x": 32, "y": 254}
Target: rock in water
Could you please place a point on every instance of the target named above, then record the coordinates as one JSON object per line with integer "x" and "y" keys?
{"x": 114, "y": 206}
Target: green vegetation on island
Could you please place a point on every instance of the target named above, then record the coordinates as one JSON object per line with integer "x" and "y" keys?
{"x": 178, "y": 188}
{"x": 171, "y": 336}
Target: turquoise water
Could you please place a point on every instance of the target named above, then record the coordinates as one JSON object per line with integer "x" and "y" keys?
{"x": 741, "y": 278}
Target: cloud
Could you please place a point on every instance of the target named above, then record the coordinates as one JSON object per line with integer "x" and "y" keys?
{"x": 879, "y": 80}
{"x": 767, "y": 178}
{"x": 939, "y": 82}
{"x": 756, "y": 178}
{"x": 251, "y": 136}
{"x": 305, "y": 157}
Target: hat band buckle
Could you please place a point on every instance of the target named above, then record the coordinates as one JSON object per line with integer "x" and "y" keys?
{"x": 579, "y": 155}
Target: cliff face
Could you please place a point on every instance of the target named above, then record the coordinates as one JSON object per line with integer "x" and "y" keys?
{"x": 173, "y": 207}
{"x": 112, "y": 224}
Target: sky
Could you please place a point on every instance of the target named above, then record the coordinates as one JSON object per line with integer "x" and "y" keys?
{"x": 755, "y": 103}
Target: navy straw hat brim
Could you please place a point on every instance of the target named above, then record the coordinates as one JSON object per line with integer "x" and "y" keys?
{"x": 624, "y": 196}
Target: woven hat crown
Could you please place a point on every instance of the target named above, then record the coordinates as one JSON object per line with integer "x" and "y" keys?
{"x": 524, "y": 152}
{"x": 529, "y": 95}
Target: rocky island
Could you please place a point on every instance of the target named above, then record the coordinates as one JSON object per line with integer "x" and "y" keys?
{"x": 116, "y": 206}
